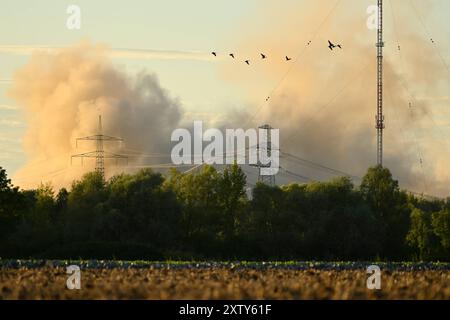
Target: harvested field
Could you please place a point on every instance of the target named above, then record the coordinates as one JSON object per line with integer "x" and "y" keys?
{"x": 222, "y": 281}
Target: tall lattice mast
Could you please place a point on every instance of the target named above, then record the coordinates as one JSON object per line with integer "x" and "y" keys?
{"x": 380, "y": 117}
{"x": 99, "y": 154}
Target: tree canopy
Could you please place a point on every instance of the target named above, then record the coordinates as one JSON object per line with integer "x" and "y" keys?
{"x": 208, "y": 215}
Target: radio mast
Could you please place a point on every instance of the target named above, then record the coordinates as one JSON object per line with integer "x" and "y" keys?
{"x": 380, "y": 117}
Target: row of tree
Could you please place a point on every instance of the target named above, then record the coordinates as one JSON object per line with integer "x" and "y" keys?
{"x": 208, "y": 215}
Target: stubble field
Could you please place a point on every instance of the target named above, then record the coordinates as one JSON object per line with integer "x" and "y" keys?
{"x": 222, "y": 281}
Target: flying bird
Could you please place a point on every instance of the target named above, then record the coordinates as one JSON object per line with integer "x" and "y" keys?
{"x": 232, "y": 55}
{"x": 287, "y": 58}
{"x": 332, "y": 45}
{"x": 214, "y": 54}
{"x": 247, "y": 62}
{"x": 263, "y": 56}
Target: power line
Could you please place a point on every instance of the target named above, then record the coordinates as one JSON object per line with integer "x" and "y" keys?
{"x": 99, "y": 154}
{"x": 414, "y": 100}
{"x": 40, "y": 177}
{"x": 394, "y": 22}
{"x": 299, "y": 55}
{"x": 320, "y": 166}
{"x": 326, "y": 105}
{"x": 428, "y": 34}
{"x": 402, "y": 135}
{"x": 302, "y": 177}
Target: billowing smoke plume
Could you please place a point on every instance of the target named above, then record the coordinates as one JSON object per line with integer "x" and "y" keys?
{"x": 63, "y": 94}
{"x": 325, "y": 103}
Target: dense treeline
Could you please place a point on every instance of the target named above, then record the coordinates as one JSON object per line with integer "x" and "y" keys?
{"x": 208, "y": 215}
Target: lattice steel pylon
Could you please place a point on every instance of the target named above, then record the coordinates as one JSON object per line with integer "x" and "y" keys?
{"x": 99, "y": 154}
{"x": 267, "y": 179}
{"x": 379, "y": 119}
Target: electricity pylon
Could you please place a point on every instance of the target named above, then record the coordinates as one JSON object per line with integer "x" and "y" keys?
{"x": 266, "y": 147}
{"x": 99, "y": 154}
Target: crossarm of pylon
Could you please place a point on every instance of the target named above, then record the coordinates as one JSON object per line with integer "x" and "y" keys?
{"x": 113, "y": 155}
{"x": 83, "y": 155}
{"x": 92, "y": 154}
{"x": 100, "y": 137}
{"x": 109, "y": 138}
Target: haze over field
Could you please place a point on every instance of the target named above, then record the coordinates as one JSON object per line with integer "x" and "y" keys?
{"x": 76, "y": 85}
{"x": 323, "y": 101}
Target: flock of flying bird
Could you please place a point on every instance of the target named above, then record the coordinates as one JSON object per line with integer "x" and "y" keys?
{"x": 331, "y": 46}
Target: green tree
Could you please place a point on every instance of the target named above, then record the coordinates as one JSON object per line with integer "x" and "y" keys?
{"x": 213, "y": 204}
{"x": 139, "y": 209}
{"x": 44, "y": 205}
{"x": 61, "y": 204}
{"x": 420, "y": 234}
{"x": 12, "y": 205}
{"x": 441, "y": 228}
{"x": 84, "y": 204}
{"x": 232, "y": 197}
{"x": 338, "y": 224}
{"x": 264, "y": 223}
{"x": 391, "y": 208}
{"x": 198, "y": 194}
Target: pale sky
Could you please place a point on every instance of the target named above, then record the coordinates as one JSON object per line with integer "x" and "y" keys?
{"x": 194, "y": 26}
{"x": 197, "y": 25}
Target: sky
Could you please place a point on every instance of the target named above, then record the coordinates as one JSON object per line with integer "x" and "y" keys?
{"x": 173, "y": 39}
{"x": 158, "y": 25}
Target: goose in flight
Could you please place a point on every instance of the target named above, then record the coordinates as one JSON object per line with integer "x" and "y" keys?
{"x": 332, "y": 45}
